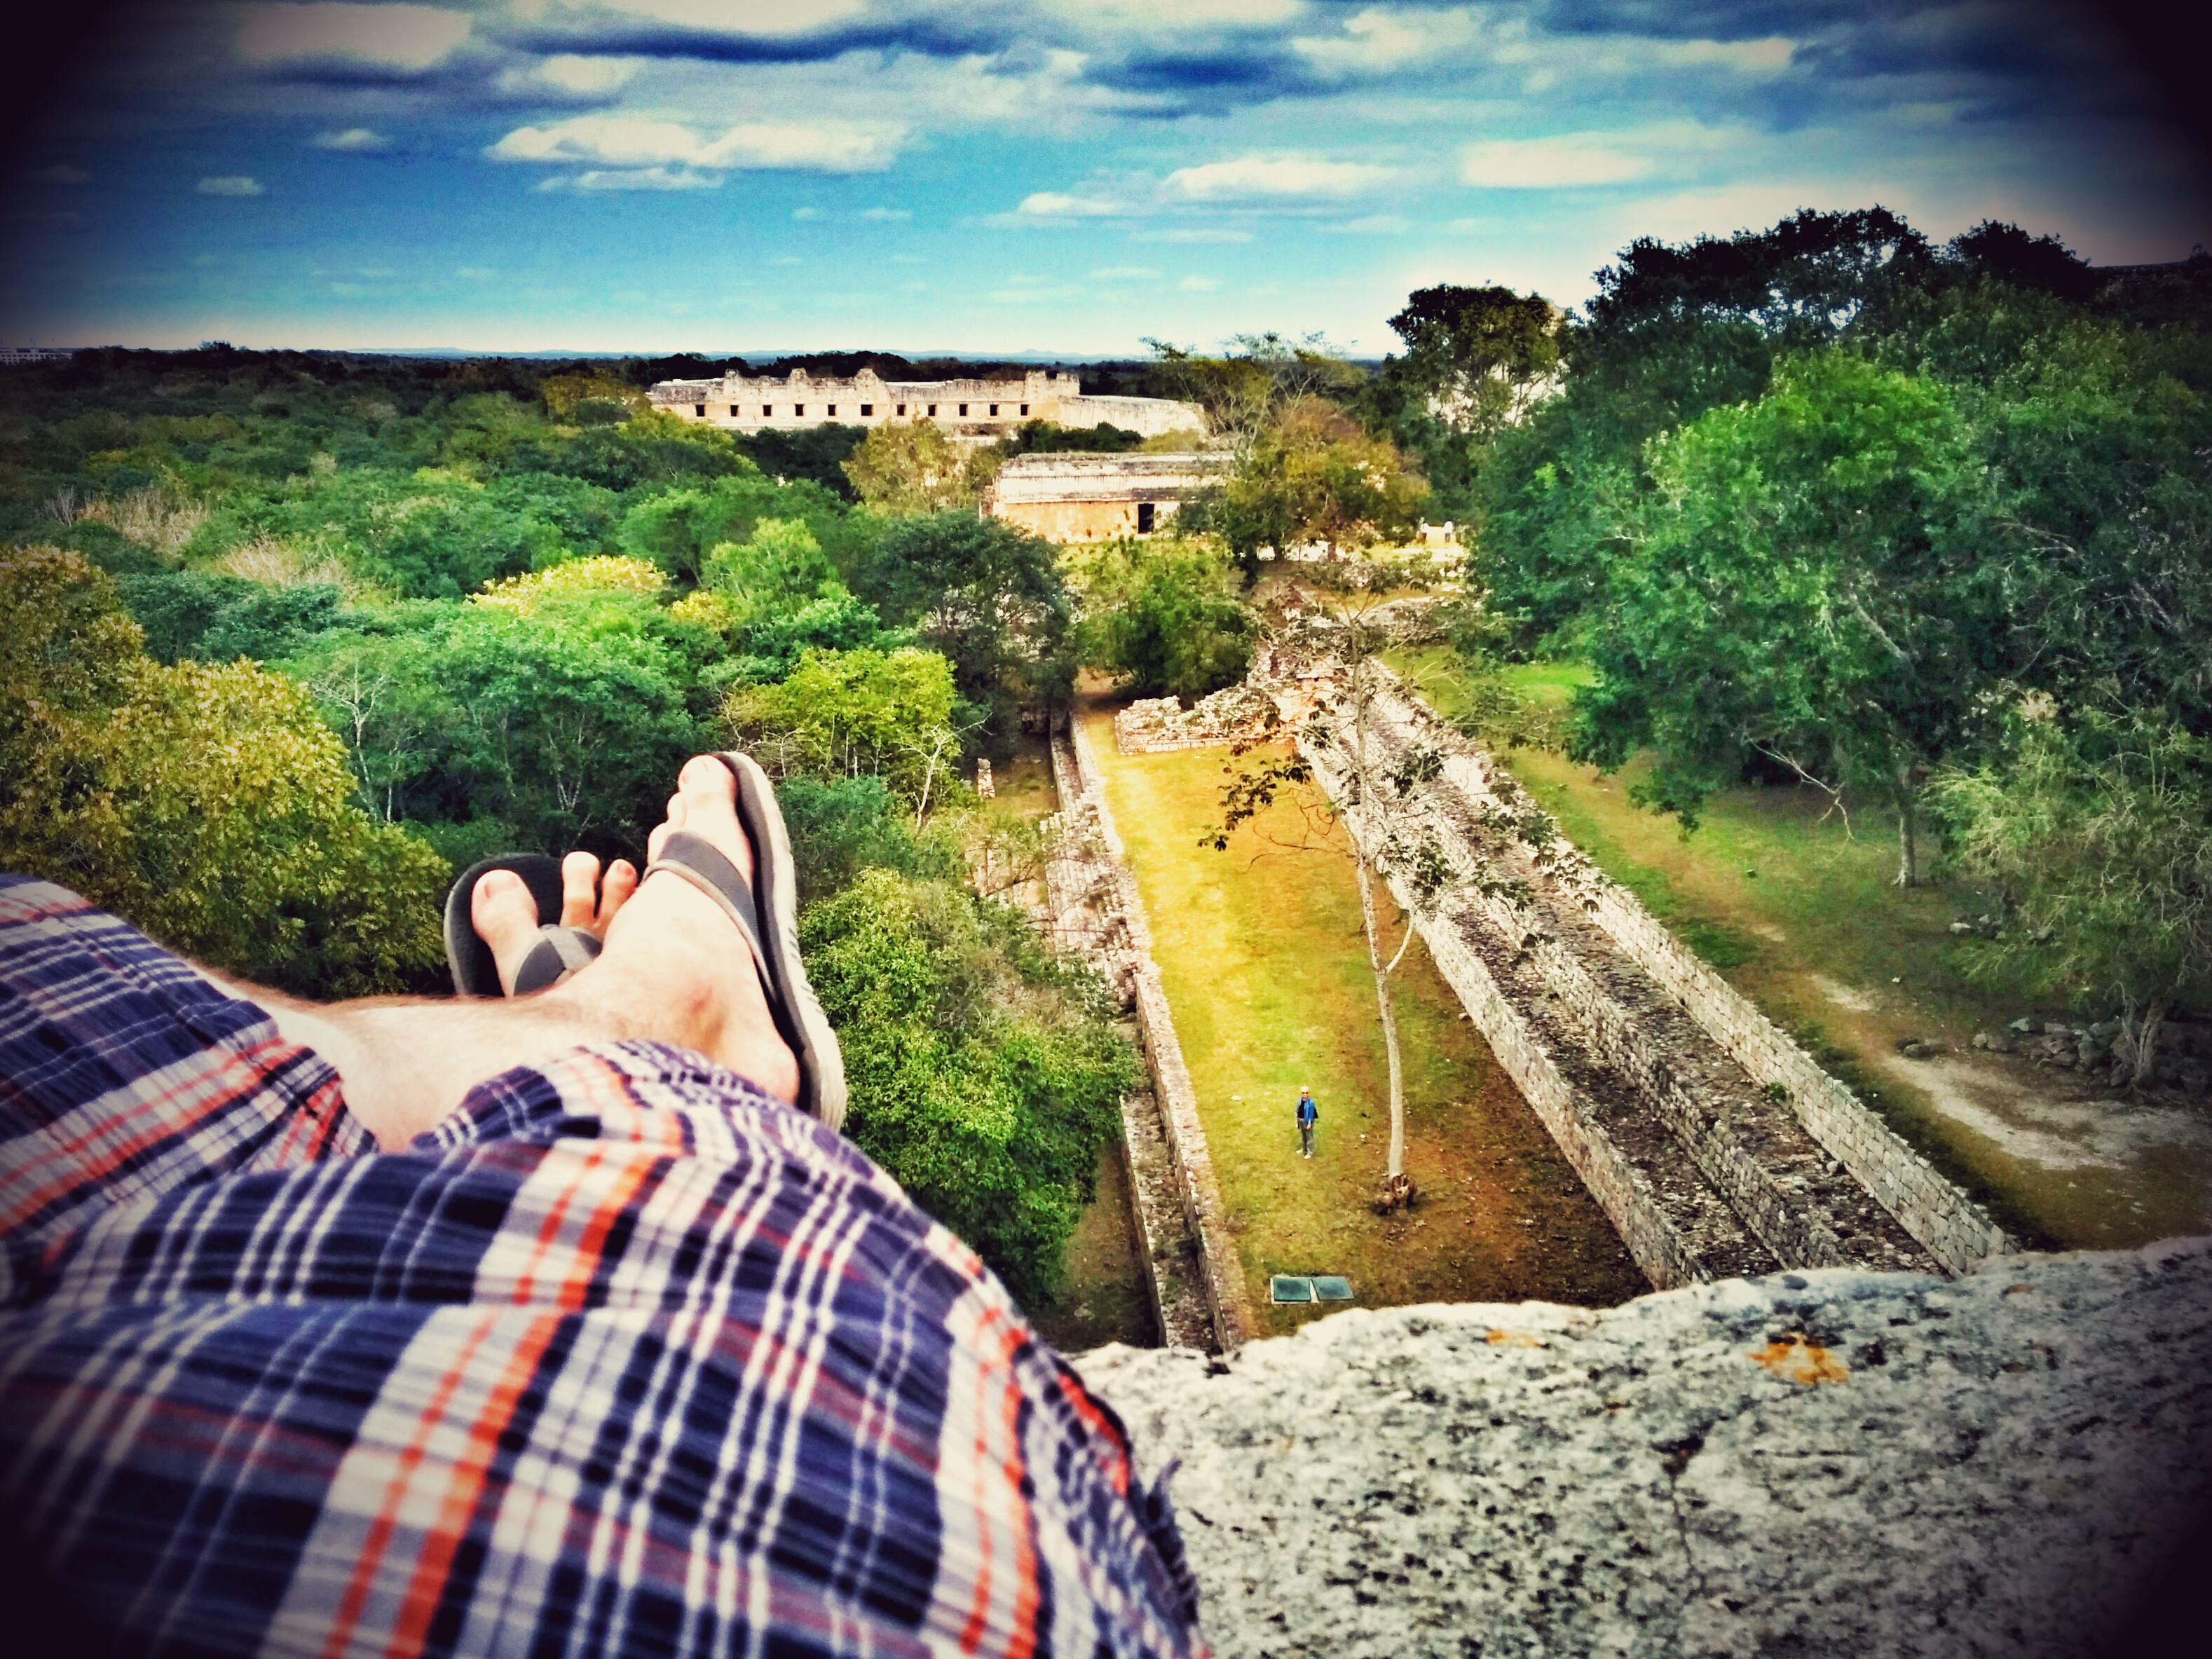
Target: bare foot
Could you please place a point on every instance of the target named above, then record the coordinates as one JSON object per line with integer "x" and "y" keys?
{"x": 505, "y": 915}
{"x": 675, "y": 966}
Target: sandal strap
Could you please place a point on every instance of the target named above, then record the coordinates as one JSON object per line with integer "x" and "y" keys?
{"x": 559, "y": 952}
{"x": 696, "y": 860}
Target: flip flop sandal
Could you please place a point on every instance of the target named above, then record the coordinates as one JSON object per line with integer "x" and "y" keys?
{"x": 766, "y": 914}
{"x": 559, "y": 951}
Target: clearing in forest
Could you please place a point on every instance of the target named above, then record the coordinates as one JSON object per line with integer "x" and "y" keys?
{"x": 1261, "y": 954}
{"x": 1804, "y": 917}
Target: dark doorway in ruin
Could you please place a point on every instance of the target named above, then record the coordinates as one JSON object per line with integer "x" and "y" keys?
{"x": 1144, "y": 518}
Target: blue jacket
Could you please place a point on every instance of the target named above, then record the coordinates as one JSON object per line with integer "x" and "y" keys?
{"x": 1308, "y": 1112}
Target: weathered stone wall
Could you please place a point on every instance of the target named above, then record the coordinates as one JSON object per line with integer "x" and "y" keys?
{"x": 1945, "y": 1222}
{"x": 1125, "y": 941}
{"x": 970, "y": 408}
{"x": 1676, "y": 1226}
{"x": 1832, "y": 1464}
{"x": 1637, "y": 1055}
{"x": 1081, "y": 521}
{"x": 1953, "y": 1229}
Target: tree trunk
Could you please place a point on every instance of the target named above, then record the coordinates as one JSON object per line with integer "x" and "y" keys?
{"x": 1364, "y": 783}
{"x": 1397, "y": 1166}
{"x": 2138, "y": 1046}
{"x": 1908, "y": 832}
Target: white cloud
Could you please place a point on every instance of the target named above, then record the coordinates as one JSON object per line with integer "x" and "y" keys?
{"x": 1768, "y": 57}
{"x": 1126, "y": 274}
{"x": 357, "y": 141}
{"x": 572, "y": 72}
{"x": 883, "y": 216}
{"x": 1579, "y": 160}
{"x": 615, "y": 138}
{"x": 1157, "y": 15}
{"x": 476, "y": 273}
{"x": 806, "y": 213}
{"x": 1375, "y": 224}
{"x": 734, "y": 17}
{"x": 654, "y": 178}
{"x": 391, "y": 37}
{"x": 234, "y": 184}
{"x": 1375, "y": 41}
{"x": 1252, "y": 177}
{"x": 627, "y": 141}
{"x": 1056, "y": 204}
{"x": 1198, "y": 285}
{"x": 1562, "y": 162}
{"x": 63, "y": 175}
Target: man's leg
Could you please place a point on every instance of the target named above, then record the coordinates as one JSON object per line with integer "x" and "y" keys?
{"x": 541, "y": 1383}
{"x": 674, "y": 970}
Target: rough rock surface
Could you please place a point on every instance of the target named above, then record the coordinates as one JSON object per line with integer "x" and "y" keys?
{"x": 1832, "y": 1462}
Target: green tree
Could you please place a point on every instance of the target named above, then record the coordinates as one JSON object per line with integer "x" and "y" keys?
{"x": 1481, "y": 356}
{"x": 910, "y": 467}
{"x": 842, "y": 713}
{"x": 780, "y": 565}
{"x": 1316, "y": 475}
{"x": 1244, "y": 391}
{"x": 2097, "y": 828}
{"x": 989, "y": 597}
{"x": 1166, "y": 617}
{"x": 986, "y": 1076}
{"x": 208, "y": 805}
{"x": 1804, "y": 588}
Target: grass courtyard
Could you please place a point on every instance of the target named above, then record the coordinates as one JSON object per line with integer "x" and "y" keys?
{"x": 1261, "y": 953}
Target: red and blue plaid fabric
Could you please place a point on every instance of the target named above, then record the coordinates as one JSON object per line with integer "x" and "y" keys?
{"x": 626, "y": 1358}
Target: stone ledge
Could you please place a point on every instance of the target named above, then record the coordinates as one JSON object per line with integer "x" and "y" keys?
{"x": 1834, "y": 1462}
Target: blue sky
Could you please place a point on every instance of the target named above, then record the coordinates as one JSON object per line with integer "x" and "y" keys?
{"x": 1057, "y": 175}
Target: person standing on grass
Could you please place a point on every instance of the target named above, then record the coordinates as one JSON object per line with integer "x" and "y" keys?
{"x": 1309, "y": 1115}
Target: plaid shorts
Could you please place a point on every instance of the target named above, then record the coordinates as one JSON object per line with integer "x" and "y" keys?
{"x": 625, "y": 1358}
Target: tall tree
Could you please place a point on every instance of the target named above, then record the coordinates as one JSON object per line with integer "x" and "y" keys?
{"x": 1479, "y": 357}
{"x": 1805, "y": 588}
{"x": 986, "y": 595}
{"x": 1316, "y": 475}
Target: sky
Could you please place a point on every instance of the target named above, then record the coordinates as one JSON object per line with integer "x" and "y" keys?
{"x": 1064, "y": 176}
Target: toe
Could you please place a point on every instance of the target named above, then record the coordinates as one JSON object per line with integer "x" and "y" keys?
{"x": 580, "y": 891}
{"x": 709, "y": 794}
{"x": 614, "y": 889}
{"x": 674, "y": 821}
{"x": 505, "y": 917}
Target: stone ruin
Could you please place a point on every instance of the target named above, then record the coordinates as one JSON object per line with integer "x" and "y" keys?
{"x": 1833, "y": 1462}
{"x": 1284, "y": 689}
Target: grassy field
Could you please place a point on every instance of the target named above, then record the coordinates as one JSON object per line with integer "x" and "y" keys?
{"x": 1261, "y": 953}
{"x": 1803, "y": 915}
{"x": 1102, "y": 1296}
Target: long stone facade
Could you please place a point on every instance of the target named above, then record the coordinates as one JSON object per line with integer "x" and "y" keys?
{"x": 1835, "y": 1462}
{"x": 975, "y": 410}
{"x": 1090, "y": 498}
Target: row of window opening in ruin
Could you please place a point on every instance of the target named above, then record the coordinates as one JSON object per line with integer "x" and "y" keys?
{"x": 867, "y": 410}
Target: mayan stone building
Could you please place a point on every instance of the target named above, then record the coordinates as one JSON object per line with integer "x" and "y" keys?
{"x": 1091, "y": 498}
{"x": 978, "y": 412}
